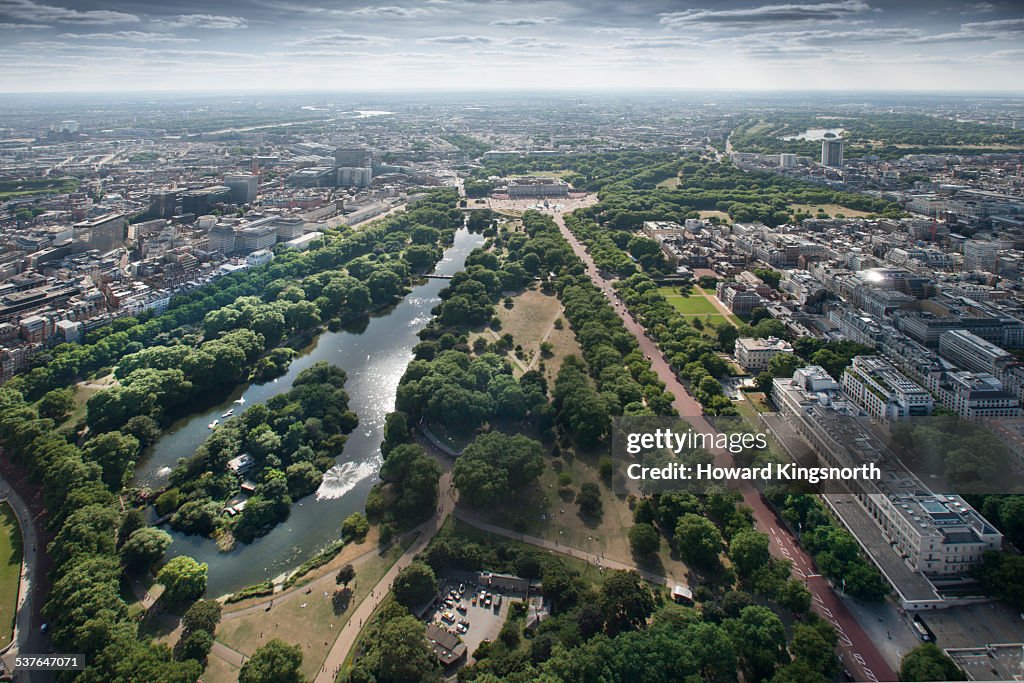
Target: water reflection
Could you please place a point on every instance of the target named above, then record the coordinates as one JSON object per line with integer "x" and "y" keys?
{"x": 375, "y": 358}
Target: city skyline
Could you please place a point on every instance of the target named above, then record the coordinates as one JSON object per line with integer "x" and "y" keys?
{"x": 51, "y": 46}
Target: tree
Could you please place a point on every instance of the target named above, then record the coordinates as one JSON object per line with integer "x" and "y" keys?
{"x": 345, "y": 575}
{"x": 698, "y": 540}
{"x": 415, "y": 585}
{"x": 144, "y": 547}
{"x": 560, "y": 584}
{"x": 644, "y": 539}
{"x": 275, "y": 662}
{"x": 355, "y": 527}
{"x": 783, "y": 365}
{"x": 494, "y": 465}
{"x": 760, "y": 640}
{"x": 927, "y": 662}
{"x": 815, "y": 643}
{"x": 194, "y": 645}
{"x": 625, "y": 602}
{"x": 183, "y": 579}
{"x": 727, "y": 335}
{"x": 57, "y": 404}
{"x": 396, "y": 651}
{"x": 794, "y": 596}
{"x": 202, "y": 615}
{"x": 748, "y": 550}
{"x": 589, "y": 500}
{"x": 130, "y": 523}
{"x": 115, "y": 453}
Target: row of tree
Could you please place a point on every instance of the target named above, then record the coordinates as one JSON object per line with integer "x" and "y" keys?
{"x": 94, "y": 541}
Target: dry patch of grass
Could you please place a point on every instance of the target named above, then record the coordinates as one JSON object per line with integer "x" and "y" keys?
{"x": 717, "y": 214}
{"x": 306, "y": 619}
{"x": 830, "y": 209}
{"x": 669, "y": 182}
{"x": 219, "y": 671}
{"x": 531, "y": 321}
{"x": 542, "y": 510}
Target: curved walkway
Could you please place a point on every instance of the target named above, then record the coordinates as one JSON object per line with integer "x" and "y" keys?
{"x": 555, "y": 547}
{"x": 25, "y": 639}
{"x": 350, "y": 631}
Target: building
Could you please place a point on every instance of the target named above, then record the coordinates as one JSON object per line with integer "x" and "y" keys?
{"x": 222, "y": 238}
{"x": 787, "y": 161}
{"x": 447, "y": 647}
{"x": 200, "y": 202}
{"x": 832, "y": 152}
{"x": 354, "y": 176}
{"x": 979, "y": 255}
{"x": 352, "y": 157}
{"x": 971, "y": 352}
{"x": 977, "y": 396}
{"x": 353, "y": 167}
{"x": 243, "y": 187}
{"x": 902, "y": 524}
{"x": 259, "y": 257}
{"x": 662, "y": 229}
{"x": 498, "y": 154}
{"x": 537, "y": 187}
{"x": 883, "y": 391}
{"x": 163, "y": 203}
{"x": 255, "y": 237}
{"x": 737, "y": 297}
{"x": 103, "y": 233}
{"x": 303, "y": 243}
{"x": 755, "y": 354}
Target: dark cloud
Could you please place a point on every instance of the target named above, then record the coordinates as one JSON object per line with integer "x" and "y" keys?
{"x": 766, "y": 14}
{"x": 210, "y": 21}
{"x": 458, "y": 40}
{"x": 131, "y": 36}
{"x": 337, "y": 38}
{"x": 526, "y": 21}
{"x": 392, "y": 11}
{"x": 29, "y": 10}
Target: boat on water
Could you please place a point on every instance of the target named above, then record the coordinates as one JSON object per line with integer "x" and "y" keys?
{"x": 240, "y": 401}
{"x": 231, "y": 411}
{"x": 213, "y": 424}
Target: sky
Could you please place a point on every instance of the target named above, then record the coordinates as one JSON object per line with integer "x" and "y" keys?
{"x": 438, "y": 45}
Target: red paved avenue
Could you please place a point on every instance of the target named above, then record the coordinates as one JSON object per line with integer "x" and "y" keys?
{"x": 859, "y": 653}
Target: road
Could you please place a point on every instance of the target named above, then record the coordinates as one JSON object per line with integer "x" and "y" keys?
{"x": 27, "y": 638}
{"x": 860, "y": 655}
{"x": 350, "y": 631}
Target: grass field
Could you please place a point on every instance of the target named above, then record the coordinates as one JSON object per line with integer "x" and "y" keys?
{"x": 696, "y": 305}
{"x": 219, "y": 671}
{"x": 530, "y": 321}
{"x": 830, "y": 209}
{"x": 307, "y": 620}
{"x": 669, "y": 182}
{"x": 10, "y": 571}
{"x": 719, "y": 214}
{"x": 555, "y": 517}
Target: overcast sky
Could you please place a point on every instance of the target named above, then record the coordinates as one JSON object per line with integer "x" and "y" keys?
{"x": 59, "y": 45}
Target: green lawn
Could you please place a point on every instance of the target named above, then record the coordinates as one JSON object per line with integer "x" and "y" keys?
{"x": 694, "y": 304}
{"x": 10, "y": 571}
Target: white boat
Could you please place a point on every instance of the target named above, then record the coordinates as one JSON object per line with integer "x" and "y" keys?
{"x": 231, "y": 411}
{"x": 240, "y": 401}
{"x": 213, "y": 424}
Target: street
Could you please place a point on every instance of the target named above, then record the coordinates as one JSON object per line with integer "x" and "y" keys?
{"x": 860, "y": 655}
